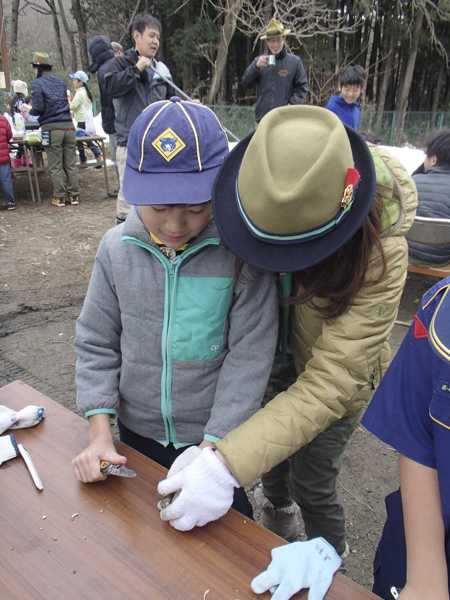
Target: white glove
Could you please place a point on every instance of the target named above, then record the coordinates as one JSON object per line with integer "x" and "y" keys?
{"x": 207, "y": 488}
{"x": 310, "y": 564}
{"x": 183, "y": 460}
{"x": 8, "y": 448}
{"x": 27, "y": 417}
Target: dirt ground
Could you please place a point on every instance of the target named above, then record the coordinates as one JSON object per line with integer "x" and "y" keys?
{"x": 47, "y": 254}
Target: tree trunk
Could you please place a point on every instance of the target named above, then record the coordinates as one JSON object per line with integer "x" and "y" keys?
{"x": 52, "y": 6}
{"x": 14, "y": 27}
{"x": 82, "y": 36}
{"x": 407, "y": 79}
{"x": 437, "y": 90}
{"x": 226, "y": 34}
{"x": 69, "y": 33}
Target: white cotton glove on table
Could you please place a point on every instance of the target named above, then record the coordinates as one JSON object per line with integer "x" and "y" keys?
{"x": 310, "y": 564}
{"x": 27, "y": 417}
{"x": 8, "y": 448}
{"x": 206, "y": 488}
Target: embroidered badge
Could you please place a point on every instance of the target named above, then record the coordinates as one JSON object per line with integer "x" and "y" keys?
{"x": 283, "y": 73}
{"x": 444, "y": 386}
{"x": 378, "y": 310}
{"x": 420, "y": 331}
{"x": 168, "y": 144}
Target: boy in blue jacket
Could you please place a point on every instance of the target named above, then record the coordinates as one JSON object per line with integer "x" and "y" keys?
{"x": 351, "y": 83}
{"x": 411, "y": 412}
{"x": 175, "y": 337}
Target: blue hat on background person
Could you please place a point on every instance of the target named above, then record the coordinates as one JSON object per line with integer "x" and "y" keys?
{"x": 81, "y": 75}
{"x": 175, "y": 150}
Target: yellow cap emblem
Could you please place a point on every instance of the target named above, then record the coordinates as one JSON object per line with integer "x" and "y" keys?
{"x": 168, "y": 144}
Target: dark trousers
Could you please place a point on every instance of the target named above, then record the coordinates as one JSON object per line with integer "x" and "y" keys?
{"x": 165, "y": 456}
{"x": 95, "y": 151}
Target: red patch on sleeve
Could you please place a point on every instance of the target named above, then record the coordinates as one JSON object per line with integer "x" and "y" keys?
{"x": 420, "y": 331}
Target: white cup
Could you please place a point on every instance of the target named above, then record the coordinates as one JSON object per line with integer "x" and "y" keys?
{"x": 271, "y": 59}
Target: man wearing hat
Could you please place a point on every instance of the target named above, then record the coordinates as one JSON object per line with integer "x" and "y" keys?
{"x": 279, "y": 76}
{"x": 133, "y": 83}
{"x": 50, "y": 104}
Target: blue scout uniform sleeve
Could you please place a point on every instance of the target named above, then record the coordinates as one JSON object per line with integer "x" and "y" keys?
{"x": 414, "y": 395}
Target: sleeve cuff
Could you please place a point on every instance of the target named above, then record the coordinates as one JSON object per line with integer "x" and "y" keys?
{"x": 112, "y": 412}
{"x": 211, "y": 438}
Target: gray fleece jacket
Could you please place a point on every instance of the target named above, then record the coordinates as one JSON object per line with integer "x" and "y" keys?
{"x": 181, "y": 350}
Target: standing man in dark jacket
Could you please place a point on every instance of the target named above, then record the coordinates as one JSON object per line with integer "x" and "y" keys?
{"x": 433, "y": 191}
{"x": 279, "y": 77}
{"x": 49, "y": 102}
{"x": 133, "y": 85}
{"x": 102, "y": 52}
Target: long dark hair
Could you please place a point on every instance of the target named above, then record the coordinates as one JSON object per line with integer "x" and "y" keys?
{"x": 341, "y": 276}
{"x": 89, "y": 95}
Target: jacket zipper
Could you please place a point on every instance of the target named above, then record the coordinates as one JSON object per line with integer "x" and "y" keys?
{"x": 171, "y": 268}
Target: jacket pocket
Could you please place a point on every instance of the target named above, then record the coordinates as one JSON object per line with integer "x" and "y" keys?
{"x": 440, "y": 405}
{"x": 200, "y": 317}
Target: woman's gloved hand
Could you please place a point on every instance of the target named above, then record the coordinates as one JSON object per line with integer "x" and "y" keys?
{"x": 27, "y": 417}
{"x": 310, "y": 564}
{"x": 206, "y": 488}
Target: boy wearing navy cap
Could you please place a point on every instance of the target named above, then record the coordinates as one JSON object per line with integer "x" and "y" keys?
{"x": 411, "y": 412}
{"x": 175, "y": 337}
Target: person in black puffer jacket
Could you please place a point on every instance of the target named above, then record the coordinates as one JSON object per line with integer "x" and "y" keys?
{"x": 433, "y": 190}
{"x": 50, "y": 104}
{"x": 101, "y": 53}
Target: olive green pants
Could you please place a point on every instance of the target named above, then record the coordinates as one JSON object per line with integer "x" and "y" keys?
{"x": 310, "y": 476}
{"x": 62, "y": 163}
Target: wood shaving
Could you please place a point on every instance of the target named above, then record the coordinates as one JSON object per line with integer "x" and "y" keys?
{"x": 204, "y": 595}
{"x": 44, "y": 516}
{"x": 55, "y": 539}
{"x": 75, "y": 515}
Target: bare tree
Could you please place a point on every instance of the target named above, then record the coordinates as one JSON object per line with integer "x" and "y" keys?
{"x": 51, "y": 10}
{"x": 14, "y": 26}
{"x": 82, "y": 34}
{"x": 70, "y": 35}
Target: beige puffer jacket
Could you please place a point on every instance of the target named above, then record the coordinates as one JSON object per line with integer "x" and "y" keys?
{"x": 340, "y": 361}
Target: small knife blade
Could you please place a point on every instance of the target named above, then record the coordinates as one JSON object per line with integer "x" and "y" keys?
{"x": 34, "y": 474}
{"x": 108, "y": 468}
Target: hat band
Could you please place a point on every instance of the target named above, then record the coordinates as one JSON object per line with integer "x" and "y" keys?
{"x": 304, "y": 236}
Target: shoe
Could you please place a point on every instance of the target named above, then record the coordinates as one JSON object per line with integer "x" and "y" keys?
{"x": 83, "y": 162}
{"x": 73, "y": 200}
{"x": 59, "y": 202}
{"x": 99, "y": 160}
{"x": 11, "y": 205}
{"x": 120, "y": 220}
{"x": 17, "y": 163}
{"x": 280, "y": 521}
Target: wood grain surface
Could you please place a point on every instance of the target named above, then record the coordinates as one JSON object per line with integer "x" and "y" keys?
{"x": 116, "y": 547}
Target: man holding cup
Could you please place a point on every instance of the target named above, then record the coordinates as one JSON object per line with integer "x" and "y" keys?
{"x": 279, "y": 76}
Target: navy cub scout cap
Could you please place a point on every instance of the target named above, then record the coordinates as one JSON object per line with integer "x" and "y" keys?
{"x": 175, "y": 150}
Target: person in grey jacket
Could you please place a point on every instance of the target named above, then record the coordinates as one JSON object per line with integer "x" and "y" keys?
{"x": 280, "y": 82}
{"x": 133, "y": 84}
{"x": 175, "y": 337}
{"x": 433, "y": 190}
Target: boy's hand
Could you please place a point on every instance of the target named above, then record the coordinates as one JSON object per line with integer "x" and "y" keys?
{"x": 87, "y": 464}
{"x": 206, "y": 489}
{"x": 310, "y": 564}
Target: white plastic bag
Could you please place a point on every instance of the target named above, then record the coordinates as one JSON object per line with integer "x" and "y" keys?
{"x": 89, "y": 119}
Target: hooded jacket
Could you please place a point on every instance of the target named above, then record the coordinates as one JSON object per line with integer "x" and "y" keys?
{"x": 133, "y": 90}
{"x": 339, "y": 361}
{"x": 279, "y": 85}
{"x": 101, "y": 53}
{"x": 49, "y": 101}
{"x": 348, "y": 113}
{"x": 433, "y": 190}
{"x": 5, "y": 136}
{"x": 181, "y": 350}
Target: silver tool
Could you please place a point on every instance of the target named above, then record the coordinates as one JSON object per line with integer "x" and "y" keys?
{"x": 108, "y": 468}
{"x": 34, "y": 474}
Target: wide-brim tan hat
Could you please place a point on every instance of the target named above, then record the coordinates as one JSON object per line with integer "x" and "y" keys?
{"x": 41, "y": 59}
{"x": 274, "y": 29}
{"x": 294, "y": 191}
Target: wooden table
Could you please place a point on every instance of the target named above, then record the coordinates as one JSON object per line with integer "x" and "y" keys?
{"x": 106, "y": 540}
{"x": 36, "y": 149}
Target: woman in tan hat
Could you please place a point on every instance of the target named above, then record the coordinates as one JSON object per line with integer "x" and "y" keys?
{"x": 301, "y": 196}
